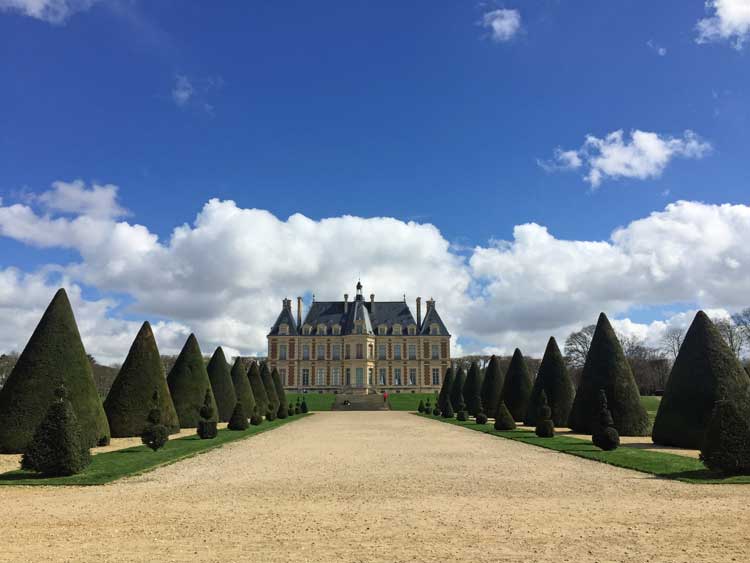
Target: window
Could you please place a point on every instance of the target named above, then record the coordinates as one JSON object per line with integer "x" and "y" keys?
{"x": 282, "y": 351}
{"x": 336, "y": 330}
{"x": 360, "y": 351}
{"x": 306, "y": 330}
{"x": 434, "y": 329}
{"x": 336, "y": 352}
{"x": 383, "y": 330}
{"x": 347, "y": 352}
{"x": 412, "y": 376}
{"x": 335, "y": 376}
{"x": 369, "y": 376}
{"x": 283, "y": 329}
{"x": 397, "y": 376}
{"x": 282, "y": 375}
{"x": 305, "y": 351}
{"x": 320, "y": 378}
{"x": 348, "y": 376}
{"x": 360, "y": 375}
{"x": 381, "y": 376}
{"x": 322, "y": 329}
{"x": 435, "y": 352}
{"x": 381, "y": 351}
{"x": 321, "y": 352}
{"x": 370, "y": 351}
{"x": 305, "y": 377}
{"x": 435, "y": 376}
{"x": 397, "y": 329}
{"x": 412, "y": 330}
{"x": 397, "y": 351}
{"x": 412, "y": 351}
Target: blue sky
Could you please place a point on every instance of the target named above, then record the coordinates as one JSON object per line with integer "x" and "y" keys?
{"x": 415, "y": 111}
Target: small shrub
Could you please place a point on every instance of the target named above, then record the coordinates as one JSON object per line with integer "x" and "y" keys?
{"x": 155, "y": 434}
{"x": 436, "y": 411}
{"x": 462, "y": 415}
{"x": 291, "y": 410}
{"x": 545, "y": 428}
{"x": 297, "y": 409}
{"x": 303, "y": 406}
{"x": 726, "y": 446}
{"x": 605, "y": 434}
{"x": 420, "y": 408}
{"x": 206, "y": 426}
{"x": 238, "y": 420}
{"x": 481, "y": 418}
{"x": 448, "y": 410}
{"x": 503, "y": 418}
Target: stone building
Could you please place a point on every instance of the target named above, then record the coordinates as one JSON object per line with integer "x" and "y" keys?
{"x": 360, "y": 346}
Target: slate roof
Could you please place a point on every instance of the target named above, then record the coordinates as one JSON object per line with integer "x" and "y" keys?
{"x": 431, "y": 318}
{"x": 285, "y": 317}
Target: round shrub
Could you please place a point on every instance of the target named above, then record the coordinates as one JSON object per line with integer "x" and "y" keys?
{"x": 481, "y": 418}
{"x": 605, "y": 434}
{"x": 270, "y": 415}
{"x": 291, "y": 410}
{"x": 436, "y": 411}
{"x": 238, "y": 420}
{"x": 726, "y": 446}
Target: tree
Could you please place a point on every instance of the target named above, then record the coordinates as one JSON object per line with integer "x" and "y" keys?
{"x": 545, "y": 428}
{"x": 242, "y": 389}
{"x": 577, "y": 346}
{"x": 492, "y": 386}
{"x": 742, "y": 321}
{"x": 420, "y": 408}
{"x": 503, "y": 418}
{"x": 553, "y": 381}
{"x": 705, "y": 371}
{"x": 607, "y": 368}
{"x": 221, "y": 384}
{"x": 272, "y": 407}
{"x": 303, "y": 407}
{"x": 280, "y": 394}
{"x": 129, "y": 401}
{"x": 54, "y": 356}
{"x": 671, "y": 341}
{"x": 517, "y": 388}
{"x": 207, "y": 424}
{"x": 238, "y": 420}
{"x": 444, "y": 396}
{"x": 472, "y": 390}
{"x": 259, "y": 390}
{"x": 605, "y": 435}
{"x": 726, "y": 447}
{"x": 188, "y": 382}
{"x": 649, "y": 365}
{"x": 57, "y": 447}
{"x": 732, "y": 334}
{"x": 456, "y": 393}
{"x": 155, "y": 434}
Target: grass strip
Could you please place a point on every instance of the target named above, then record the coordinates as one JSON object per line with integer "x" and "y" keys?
{"x": 315, "y": 401}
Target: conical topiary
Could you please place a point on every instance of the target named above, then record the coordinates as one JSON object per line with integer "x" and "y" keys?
{"x": 605, "y": 435}
{"x": 256, "y": 419}
{"x": 420, "y": 408}
{"x": 207, "y": 423}
{"x": 242, "y": 389}
{"x": 492, "y": 386}
{"x": 188, "y": 382}
{"x": 57, "y": 447}
{"x": 54, "y": 356}
{"x": 705, "y": 371}
{"x": 553, "y": 379}
{"x": 544, "y": 426}
{"x": 273, "y": 399}
{"x": 472, "y": 389}
{"x": 238, "y": 420}
{"x": 607, "y": 368}
{"x": 457, "y": 389}
{"x": 221, "y": 384}
{"x": 280, "y": 394}
{"x": 129, "y": 401}
{"x": 155, "y": 434}
{"x": 447, "y": 411}
{"x": 503, "y": 418}
{"x": 517, "y": 387}
{"x": 259, "y": 390}
{"x": 445, "y": 391}
{"x": 303, "y": 407}
{"x": 726, "y": 444}
{"x": 481, "y": 418}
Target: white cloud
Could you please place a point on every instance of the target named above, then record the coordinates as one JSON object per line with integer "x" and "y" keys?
{"x": 182, "y": 90}
{"x": 729, "y": 20}
{"x": 644, "y": 155}
{"x": 656, "y": 48}
{"x": 503, "y": 24}
{"x": 73, "y": 197}
{"x": 51, "y": 11}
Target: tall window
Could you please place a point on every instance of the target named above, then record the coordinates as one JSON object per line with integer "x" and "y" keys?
{"x": 369, "y": 376}
{"x": 412, "y": 376}
{"x": 435, "y": 352}
{"x": 397, "y": 376}
{"x": 320, "y": 378}
{"x": 305, "y": 351}
{"x": 335, "y": 376}
{"x": 370, "y": 351}
{"x": 348, "y": 376}
{"x": 305, "y": 377}
{"x": 282, "y": 351}
{"x": 282, "y": 374}
{"x": 360, "y": 351}
{"x": 397, "y": 351}
{"x": 435, "y": 376}
{"x": 359, "y": 374}
{"x": 347, "y": 351}
{"x": 321, "y": 351}
{"x": 412, "y": 351}
{"x": 336, "y": 352}
{"x": 381, "y": 351}
{"x": 381, "y": 376}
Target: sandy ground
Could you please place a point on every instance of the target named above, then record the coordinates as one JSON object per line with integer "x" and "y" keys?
{"x": 379, "y": 486}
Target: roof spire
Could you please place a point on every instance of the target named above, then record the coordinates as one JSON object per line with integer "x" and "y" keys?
{"x": 359, "y": 290}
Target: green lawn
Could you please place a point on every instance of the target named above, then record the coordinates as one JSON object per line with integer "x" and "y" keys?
{"x": 669, "y": 466}
{"x": 315, "y": 401}
{"x": 110, "y": 466}
{"x": 409, "y": 401}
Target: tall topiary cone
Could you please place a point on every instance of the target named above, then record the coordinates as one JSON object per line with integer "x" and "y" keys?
{"x": 273, "y": 400}
{"x": 221, "y": 384}
{"x": 283, "y": 411}
{"x": 705, "y": 371}
{"x": 188, "y": 383}
{"x": 259, "y": 390}
{"x": 606, "y": 368}
{"x": 517, "y": 388}
{"x": 552, "y": 379}
{"x": 503, "y": 418}
{"x": 444, "y": 397}
{"x": 242, "y": 389}
{"x": 492, "y": 386}
{"x": 473, "y": 389}
{"x": 457, "y": 389}
{"x": 726, "y": 445}
{"x": 130, "y": 399}
{"x": 53, "y": 357}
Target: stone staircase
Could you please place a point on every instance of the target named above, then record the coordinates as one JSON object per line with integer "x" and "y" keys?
{"x": 359, "y": 402}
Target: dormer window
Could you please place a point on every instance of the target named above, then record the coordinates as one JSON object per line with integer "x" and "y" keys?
{"x": 397, "y": 330}
{"x": 412, "y": 330}
{"x": 359, "y": 328}
{"x": 383, "y": 330}
{"x": 283, "y": 329}
{"x": 306, "y": 330}
{"x": 336, "y": 330}
{"x": 321, "y": 329}
{"x": 434, "y": 329}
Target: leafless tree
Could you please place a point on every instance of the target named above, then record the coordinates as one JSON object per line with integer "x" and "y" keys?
{"x": 672, "y": 340}
{"x": 742, "y": 321}
{"x": 577, "y": 346}
{"x": 732, "y": 334}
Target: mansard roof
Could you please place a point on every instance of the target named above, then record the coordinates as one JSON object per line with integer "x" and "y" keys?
{"x": 431, "y": 318}
{"x": 285, "y": 317}
{"x": 372, "y": 314}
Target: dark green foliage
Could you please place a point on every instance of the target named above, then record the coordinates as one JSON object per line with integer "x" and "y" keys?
{"x": 553, "y": 379}
{"x": 462, "y": 415}
{"x": 297, "y": 409}
{"x": 303, "y": 406}
{"x": 188, "y": 381}
{"x": 605, "y": 435}
{"x": 705, "y": 371}
{"x": 259, "y": 390}
{"x": 427, "y": 407}
{"x": 420, "y": 408}
{"x": 544, "y": 425}
{"x": 57, "y": 447}
{"x": 280, "y": 394}
{"x": 517, "y": 387}
{"x": 54, "y": 356}
{"x": 238, "y": 420}
{"x": 443, "y": 400}
{"x": 291, "y": 410}
{"x": 481, "y": 418}
{"x": 472, "y": 389}
{"x": 130, "y": 398}
{"x": 222, "y": 385}
{"x": 273, "y": 399}
{"x": 242, "y": 388}
{"x": 447, "y": 412}
{"x": 726, "y": 445}
{"x": 207, "y": 423}
{"x": 457, "y": 389}
{"x": 492, "y": 386}
{"x": 155, "y": 434}
{"x": 270, "y": 415}
{"x": 436, "y": 411}
{"x": 503, "y": 418}
{"x": 607, "y": 368}
{"x": 256, "y": 419}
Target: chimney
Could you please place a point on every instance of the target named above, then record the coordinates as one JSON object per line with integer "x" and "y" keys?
{"x": 419, "y": 313}
{"x": 299, "y": 313}
{"x": 372, "y": 298}
{"x": 286, "y": 303}
{"x": 346, "y": 303}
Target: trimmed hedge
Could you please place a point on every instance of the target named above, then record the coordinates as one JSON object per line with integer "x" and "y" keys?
{"x": 53, "y": 357}
{"x": 188, "y": 383}
{"x": 221, "y": 384}
{"x": 273, "y": 400}
{"x": 553, "y": 380}
{"x": 492, "y": 386}
{"x": 283, "y": 412}
{"x": 207, "y": 424}
{"x": 517, "y": 387}
{"x": 242, "y": 389}
{"x": 607, "y": 368}
{"x": 155, "y": 435}
{"x": 259, "y": 390}
{"x": 129, "y": 401}
{"x": 503, "y": 418}
{"x": 472, "y": 390}
{"x": 705, "y": 371}
{"x": 457, "y": 389}
{"x": 544, "y": 426}
{"x": 726, "y": 446}
{"x": 443, "y": 400}
{"x": 605, "y": 435}
{"x": 238, "y": 420}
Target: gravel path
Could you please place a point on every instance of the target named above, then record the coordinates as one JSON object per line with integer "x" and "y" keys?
{"x": 379, "y": 486}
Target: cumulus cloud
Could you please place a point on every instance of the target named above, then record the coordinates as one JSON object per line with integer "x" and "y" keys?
{"x": 50, "y": 11}
{"x": 503, "y": 24}
{"x": 74, "y": 197}
{"x": 644, "y": 155}
{"x": 729, "y": 20}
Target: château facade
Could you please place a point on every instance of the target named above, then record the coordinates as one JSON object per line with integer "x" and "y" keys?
{"x": 360, "y": 346}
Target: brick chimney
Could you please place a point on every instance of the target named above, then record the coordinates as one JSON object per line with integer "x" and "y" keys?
{"x": 299, "y": 313}
{"x": 419, "y": 313}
